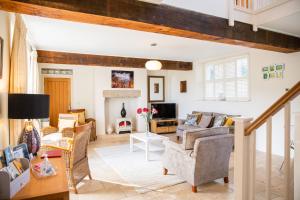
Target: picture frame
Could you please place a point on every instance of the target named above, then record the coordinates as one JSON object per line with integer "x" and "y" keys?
{"x": 156, "y": 89}
{"x": 1, "y": 56}
{"x": 21, "y": 151}
{"x": 183, "y": 86}
{"x": 8, "y": 155}
{"x": 122, "y": 79}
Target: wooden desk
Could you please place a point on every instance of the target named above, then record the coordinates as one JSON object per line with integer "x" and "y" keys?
{"x": 50, "y": 188}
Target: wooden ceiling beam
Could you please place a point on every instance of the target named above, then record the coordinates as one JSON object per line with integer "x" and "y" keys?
{"x": 163, "y": 19}
{"x": 106, "y": 61}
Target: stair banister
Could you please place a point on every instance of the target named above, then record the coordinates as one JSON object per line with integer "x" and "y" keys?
{"x": 245, "y": 148}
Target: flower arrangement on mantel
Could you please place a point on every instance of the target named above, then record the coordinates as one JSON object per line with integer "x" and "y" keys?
{"x": 147, "y": 114}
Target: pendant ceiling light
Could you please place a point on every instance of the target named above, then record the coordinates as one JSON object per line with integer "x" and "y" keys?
{"x": 153, "y": 64}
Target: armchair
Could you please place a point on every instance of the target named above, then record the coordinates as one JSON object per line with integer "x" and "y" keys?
{"x": 82, "y": 120}
{"x": 207, "y": 161}
{"x": 78, "y": 165}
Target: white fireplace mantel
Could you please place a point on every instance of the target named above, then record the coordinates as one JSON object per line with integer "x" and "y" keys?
{"x": 121, "y": 93}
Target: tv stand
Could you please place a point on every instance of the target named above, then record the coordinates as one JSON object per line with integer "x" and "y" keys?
{"x": 163, "y": 125}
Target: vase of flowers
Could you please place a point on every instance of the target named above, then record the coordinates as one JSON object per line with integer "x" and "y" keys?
{"x": 147, "y": 114}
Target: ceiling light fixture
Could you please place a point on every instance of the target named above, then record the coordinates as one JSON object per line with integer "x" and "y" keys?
{"x": 153, "y": 64}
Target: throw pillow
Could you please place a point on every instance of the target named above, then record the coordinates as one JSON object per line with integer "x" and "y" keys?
{"x": 81, "y": 117}
{"x": 192, "y": 119}
{"x": 65, "y": 123}
{"x": 205, "y": 121}
{"x": 229, "y": 122}
{"x": 76, "y": 116}
{"x": 219, "y": 120}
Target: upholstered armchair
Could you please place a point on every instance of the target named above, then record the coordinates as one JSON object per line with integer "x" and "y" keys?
{"x": 82, "y": 120}
{"x": 200, "y": 159}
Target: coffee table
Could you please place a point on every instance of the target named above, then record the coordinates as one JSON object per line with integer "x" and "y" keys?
{"x": 147, "y": 142}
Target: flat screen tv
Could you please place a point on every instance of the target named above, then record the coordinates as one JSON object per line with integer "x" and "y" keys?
{"x": 165, "y": 110}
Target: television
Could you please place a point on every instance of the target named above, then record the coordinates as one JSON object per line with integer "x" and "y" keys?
{"x": 165, "y": 110}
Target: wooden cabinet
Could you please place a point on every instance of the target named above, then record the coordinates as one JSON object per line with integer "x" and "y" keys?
{"x": 164, "y": 125}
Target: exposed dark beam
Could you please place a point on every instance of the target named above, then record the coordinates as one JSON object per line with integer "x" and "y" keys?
{"x": 161, "y": 19}
{"x": 105, "y": 61}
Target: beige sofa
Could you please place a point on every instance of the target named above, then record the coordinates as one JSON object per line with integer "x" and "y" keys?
{"x": 182, "y": 127}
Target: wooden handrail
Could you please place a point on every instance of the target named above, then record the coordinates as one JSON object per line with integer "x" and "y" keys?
{"x": 272, "y": 110}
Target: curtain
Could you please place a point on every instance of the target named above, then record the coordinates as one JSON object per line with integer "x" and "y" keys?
{"x": 33, "y": 80}
{"x": 18, "y": 72}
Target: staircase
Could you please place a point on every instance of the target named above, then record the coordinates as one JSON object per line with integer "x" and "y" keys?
{"x": 245, "y": 150}
{"x": 256, "y": 6}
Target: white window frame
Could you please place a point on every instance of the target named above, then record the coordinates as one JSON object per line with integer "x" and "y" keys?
{"x": 224, "y": 79}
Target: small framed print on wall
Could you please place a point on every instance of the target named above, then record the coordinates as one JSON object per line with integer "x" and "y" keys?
{"x": 156, "y": 88}
{"x": 183, "y": 86}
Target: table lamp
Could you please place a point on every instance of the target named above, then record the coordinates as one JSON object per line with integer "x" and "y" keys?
{"x": 29, "y": 107}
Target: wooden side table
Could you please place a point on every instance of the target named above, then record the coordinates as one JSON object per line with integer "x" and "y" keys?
{"x": 50, "y": 188}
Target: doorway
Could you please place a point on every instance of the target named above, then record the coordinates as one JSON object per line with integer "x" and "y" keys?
{"x": 59, "y": 90}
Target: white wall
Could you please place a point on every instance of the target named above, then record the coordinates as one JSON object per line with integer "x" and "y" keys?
{"x": 87, "y": 88}
{"x": 262, "y": 92}
{"x": 88, "y": 84}
{"x": 5, "y": 35}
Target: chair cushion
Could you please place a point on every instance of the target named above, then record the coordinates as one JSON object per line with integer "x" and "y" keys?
{"x": 205, "y": 121}
{"x": 65, "y": 123}
{"x": 184, "y": 127}
{"x": 81, "y": 116}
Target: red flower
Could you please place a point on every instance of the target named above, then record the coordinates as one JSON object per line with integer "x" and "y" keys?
{"x": 145, "y": 110}
{"x": 139, "y": 111}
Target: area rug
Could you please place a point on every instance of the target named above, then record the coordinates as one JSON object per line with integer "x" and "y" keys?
{"x": 134, "y": 170}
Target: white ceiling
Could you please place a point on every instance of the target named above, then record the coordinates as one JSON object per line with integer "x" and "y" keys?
{"x": 59, "y": 35}
{"x": 289, "y": 24}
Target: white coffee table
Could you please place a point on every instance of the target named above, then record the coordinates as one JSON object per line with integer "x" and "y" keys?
{"x": 146, "y": 142}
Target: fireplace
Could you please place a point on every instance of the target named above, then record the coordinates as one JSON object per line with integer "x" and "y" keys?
{"x": 123, "y": 125}
{"x": 114, "y": 99}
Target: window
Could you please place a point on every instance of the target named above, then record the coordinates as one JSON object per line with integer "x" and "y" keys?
{"x": 227, "y": 80}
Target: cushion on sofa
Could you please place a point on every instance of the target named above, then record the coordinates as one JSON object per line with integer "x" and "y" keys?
{"x": 205, "y": 121}
{"x": 219, "y": 120}
{"x": 192, "y": 119}
{"x": 229, "y": 122}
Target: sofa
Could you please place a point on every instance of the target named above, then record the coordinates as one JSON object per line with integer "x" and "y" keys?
{"x": 202, "y": 157}
{"x": 222, "y": 127}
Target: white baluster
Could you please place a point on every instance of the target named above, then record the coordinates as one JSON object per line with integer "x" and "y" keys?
{"x": 287, "y": 139}
{"x": 269, "y": 158}
{"x": 231, "y": 12}
{"x": 252, "y": 162}
{"x": 243, "y": 155}
{"x": 297, "y": 158}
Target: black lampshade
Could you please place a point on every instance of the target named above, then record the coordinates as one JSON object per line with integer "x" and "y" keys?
{"x": 28, "y": 106}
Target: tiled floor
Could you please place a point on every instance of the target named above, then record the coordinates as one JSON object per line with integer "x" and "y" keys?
{"x": 112, "y": 190}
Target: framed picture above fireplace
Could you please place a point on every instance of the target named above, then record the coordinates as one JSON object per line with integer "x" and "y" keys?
{"x": 122, "y": 79}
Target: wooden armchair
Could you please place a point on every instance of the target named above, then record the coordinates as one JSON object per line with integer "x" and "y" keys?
{"x": 82, "y": 120}
{"x": 75, "y": 153}
{"x": 78, "y": 165}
